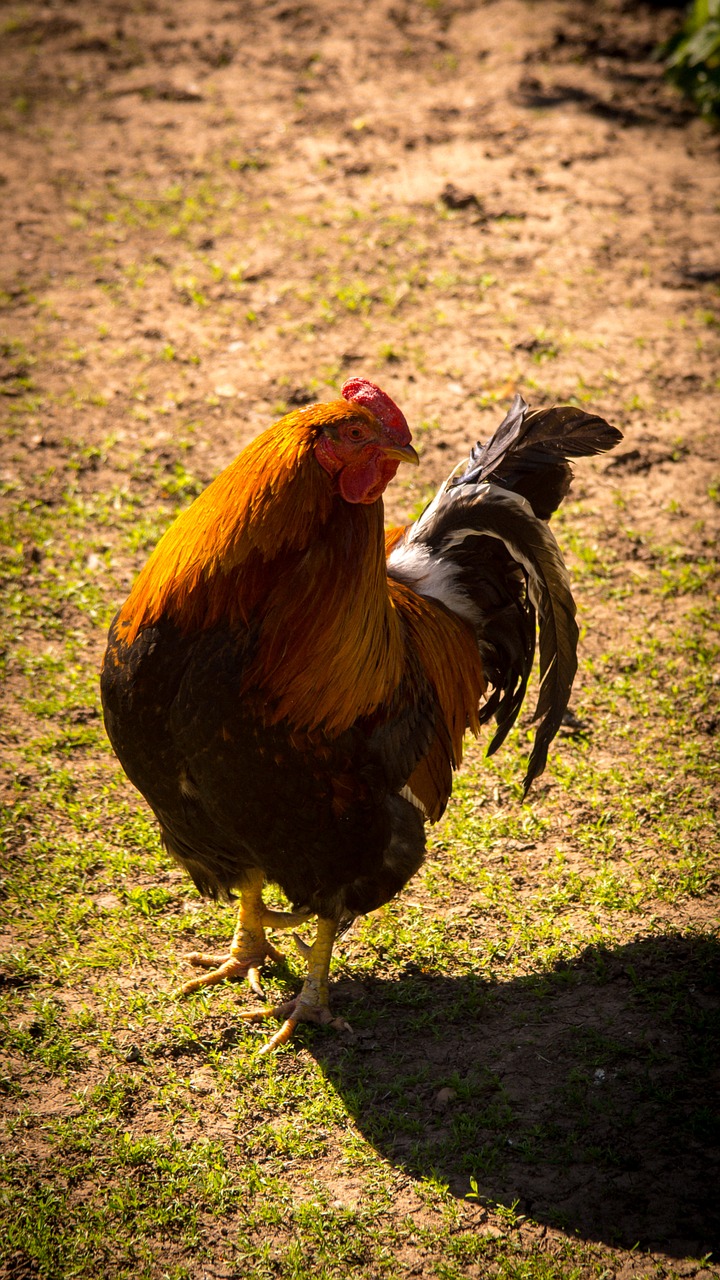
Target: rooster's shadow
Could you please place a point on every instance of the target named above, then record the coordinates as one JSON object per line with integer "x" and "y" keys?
{"x": 588, "y": 1095}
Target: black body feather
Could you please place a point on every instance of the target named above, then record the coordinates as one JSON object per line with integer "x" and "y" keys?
{"x": 320, "y": 815}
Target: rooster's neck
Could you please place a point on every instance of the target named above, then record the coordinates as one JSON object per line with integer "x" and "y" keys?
{"x": 269, "y": 548}
{"x": 213, "y": 563}
{"x": 330, "y": 649}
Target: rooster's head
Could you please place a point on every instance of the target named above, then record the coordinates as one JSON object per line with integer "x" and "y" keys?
{"x": 362, "y": 450}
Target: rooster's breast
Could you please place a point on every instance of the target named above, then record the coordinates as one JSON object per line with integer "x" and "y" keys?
{"x": 233, "y": 791}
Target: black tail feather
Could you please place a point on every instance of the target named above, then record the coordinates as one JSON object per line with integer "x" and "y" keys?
{"x": 486, "y": 530}
{"x": 528, "y": 453}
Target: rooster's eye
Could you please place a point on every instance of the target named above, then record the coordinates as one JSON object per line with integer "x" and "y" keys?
{"x": 356, "y": 433}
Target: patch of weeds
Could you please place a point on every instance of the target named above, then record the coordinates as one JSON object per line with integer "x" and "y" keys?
{"x": 692, "y": 57}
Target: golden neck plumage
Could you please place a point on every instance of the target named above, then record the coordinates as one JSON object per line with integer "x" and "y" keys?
{"x": 269, "y": 545}
{"x": 330, "y": 647}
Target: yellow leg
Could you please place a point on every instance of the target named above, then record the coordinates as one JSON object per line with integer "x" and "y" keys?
{"x": 311, "y": 1005}
{"x": 249, "y": 947}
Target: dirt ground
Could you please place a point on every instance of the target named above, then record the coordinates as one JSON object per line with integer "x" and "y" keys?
{"x": 213, "y": 210}
{"x": 536, "y": 141}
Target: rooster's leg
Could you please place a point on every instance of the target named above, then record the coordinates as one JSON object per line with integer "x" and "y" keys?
{"x": 249, "y": 948}
{"x": 311, "y": 1005}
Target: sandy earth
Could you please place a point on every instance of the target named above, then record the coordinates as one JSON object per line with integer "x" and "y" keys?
{"x": 213, "y": 210}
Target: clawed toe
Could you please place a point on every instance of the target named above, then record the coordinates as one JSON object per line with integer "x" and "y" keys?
{"x": 249, "y": 951}
{"x": 250, "y": 948}
{"x": 290, "y": 1013}
{"x": 225, "y": 967}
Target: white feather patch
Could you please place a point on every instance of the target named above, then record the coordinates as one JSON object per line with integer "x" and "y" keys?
{"x": 407, "y": 794}
{"x": 432, "y": 575}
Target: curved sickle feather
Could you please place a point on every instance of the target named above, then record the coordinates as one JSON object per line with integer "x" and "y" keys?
{"x": 489, "y": 511}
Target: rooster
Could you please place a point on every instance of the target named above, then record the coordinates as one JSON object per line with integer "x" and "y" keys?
{"x": 289, "y": 688}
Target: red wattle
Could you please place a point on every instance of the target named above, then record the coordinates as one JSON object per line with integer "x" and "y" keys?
{"x": 367, "y": 481}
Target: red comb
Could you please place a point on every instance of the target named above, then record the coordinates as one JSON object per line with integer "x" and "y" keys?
{"x": 378, "y": 402}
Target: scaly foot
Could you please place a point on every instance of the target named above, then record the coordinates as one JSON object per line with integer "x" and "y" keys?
{"x": 292, "y": 1012}
{"x": 311, "y": 1005}
{"x": 249, "y": 948}
{"x": 230, "y": 966}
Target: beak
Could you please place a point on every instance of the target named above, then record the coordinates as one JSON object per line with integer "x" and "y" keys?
{"x": 402, "y": 452}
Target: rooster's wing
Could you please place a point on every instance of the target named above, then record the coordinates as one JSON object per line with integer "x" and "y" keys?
{"x": 320, "y": 816}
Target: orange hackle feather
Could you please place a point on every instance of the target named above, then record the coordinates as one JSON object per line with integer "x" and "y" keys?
{"x": 251, "y": 513}
{"x": 449, "y": 657}
{"x": 268, "y": 542}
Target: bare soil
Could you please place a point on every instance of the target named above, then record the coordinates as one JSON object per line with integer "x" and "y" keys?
{"x": 213, "y": 210}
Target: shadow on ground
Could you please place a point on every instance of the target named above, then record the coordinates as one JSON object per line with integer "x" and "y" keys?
{"x": 590, "y": 1095}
